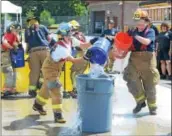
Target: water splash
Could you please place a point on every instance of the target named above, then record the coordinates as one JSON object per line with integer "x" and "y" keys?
{"x": 96, "y": 70}
{"x": 74, "y": 129}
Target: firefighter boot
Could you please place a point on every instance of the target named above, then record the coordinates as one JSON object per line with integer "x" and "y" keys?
{"x": 39, "y": 85}
{"x": 74, "y": 93}
{"x": 138, "y": 107}
{"x": 39, "y": 108}
{"x": 152, "y": 111}
{"x": 58, "y": 118}
{"x": 32, "y": 93}
{"x": 6, "y": 94}
{"x": 66, "y": 95}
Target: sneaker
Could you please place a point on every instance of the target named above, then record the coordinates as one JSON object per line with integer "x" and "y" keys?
{"x": 169, "y": 77}
{"x": 58, "y": 118}
{"x": 73, "y": 94}
{"x": 39, "y": 108}
{"x": 66, "y": 95}
{"x": 163, "y": 76}
{"x": 39, "y": 85}
{"x": 138, "y": 107}
{"x": 32, "y": 93}
{"x": 152, "y": 111}
{"x": 7, "y": 93}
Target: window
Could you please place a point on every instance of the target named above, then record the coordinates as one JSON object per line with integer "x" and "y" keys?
{"x": 159, "y": 14}
{"x": 166, "y": 15}
{"x": 153, "y": 14}
{"x": 156, "y": 14}
{"x": 169, "y": 13}
{"x": 150, "y": 13}
{"x": 147, "y": 11}
{"x": 162, "y": 13}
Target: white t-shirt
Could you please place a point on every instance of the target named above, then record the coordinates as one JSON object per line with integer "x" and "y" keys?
{"x": 63, "y": 52}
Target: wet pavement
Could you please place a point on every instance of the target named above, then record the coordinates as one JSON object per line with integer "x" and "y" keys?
{"x": 18, "y": 118}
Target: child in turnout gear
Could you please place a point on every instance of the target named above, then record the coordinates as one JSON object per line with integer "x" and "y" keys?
{"x": 10, "y": 41}
{"x": 52, "y": 68}
{"x": 77, "y": 68}
{"x": 141, "y": 73}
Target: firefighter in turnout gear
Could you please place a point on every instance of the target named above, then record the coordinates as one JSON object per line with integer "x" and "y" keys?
{"x": 37, "y": 39}
{"x": 77, "y": 68}
{"x": 141, "y": 73}
{"x": 10, "y": 42}
{"x": 52, "y": 68}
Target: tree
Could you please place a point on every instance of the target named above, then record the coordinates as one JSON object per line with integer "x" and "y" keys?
{"x": 79, "y": 7}
{"x": 56, "y": 7}
{"x": 30, "y": 13}
{"x": 46, "y": 18}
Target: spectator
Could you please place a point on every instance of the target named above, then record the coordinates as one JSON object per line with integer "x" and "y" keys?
{"x": 110, "y": 33}
{"x": 163, "y": 40}
{"x": 150, "y": 25}
{"x": 171, "y": 29}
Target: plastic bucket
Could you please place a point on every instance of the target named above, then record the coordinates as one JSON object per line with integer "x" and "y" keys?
{"x": 99, "y": 51}
{"x": 122, "y": 45}
{"x": 17, "y": 58}
{"x": 95, "y": 103}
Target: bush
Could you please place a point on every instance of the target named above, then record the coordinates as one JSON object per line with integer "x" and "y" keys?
{"x": 46, "y": 18}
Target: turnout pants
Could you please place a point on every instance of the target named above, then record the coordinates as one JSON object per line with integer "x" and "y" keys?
{"x": 51, "y": 86}
{"x": 142, "y": 76}
{"x": 9, "y": 73}
{"x": 76, "y": 69}
{"x": 110, "y": 62}
{"x": 37, "y": 56}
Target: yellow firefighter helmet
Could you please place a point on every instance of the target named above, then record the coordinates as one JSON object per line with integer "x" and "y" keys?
{"x": 140, "y": 14}
{"x": 74, "y": 24}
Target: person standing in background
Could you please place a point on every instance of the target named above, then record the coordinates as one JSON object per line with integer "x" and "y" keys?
{"x": 151, "y": 25}
{"x": 163, "y": 50}
{"x": 110, "y": 33}
{"x": 77, "y": 68}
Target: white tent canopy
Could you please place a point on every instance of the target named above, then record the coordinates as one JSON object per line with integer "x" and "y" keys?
{"x": 8, "y": 7}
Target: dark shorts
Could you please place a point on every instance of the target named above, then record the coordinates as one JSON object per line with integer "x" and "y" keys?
{"x": 163, "y": 55}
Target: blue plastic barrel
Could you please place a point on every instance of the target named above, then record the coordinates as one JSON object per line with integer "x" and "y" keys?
{"x": 99, "y": 51}
{"x": 95, "y": 103}
{"x": 17, "y": 58}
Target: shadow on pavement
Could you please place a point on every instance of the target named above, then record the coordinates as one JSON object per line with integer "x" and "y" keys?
{"x": 26, "y": 123}
{"x": 31, "y": 122}
{"x": 16, "y": 97}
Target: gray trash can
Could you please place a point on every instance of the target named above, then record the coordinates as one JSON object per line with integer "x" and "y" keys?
{"x": 95, "y": 103}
